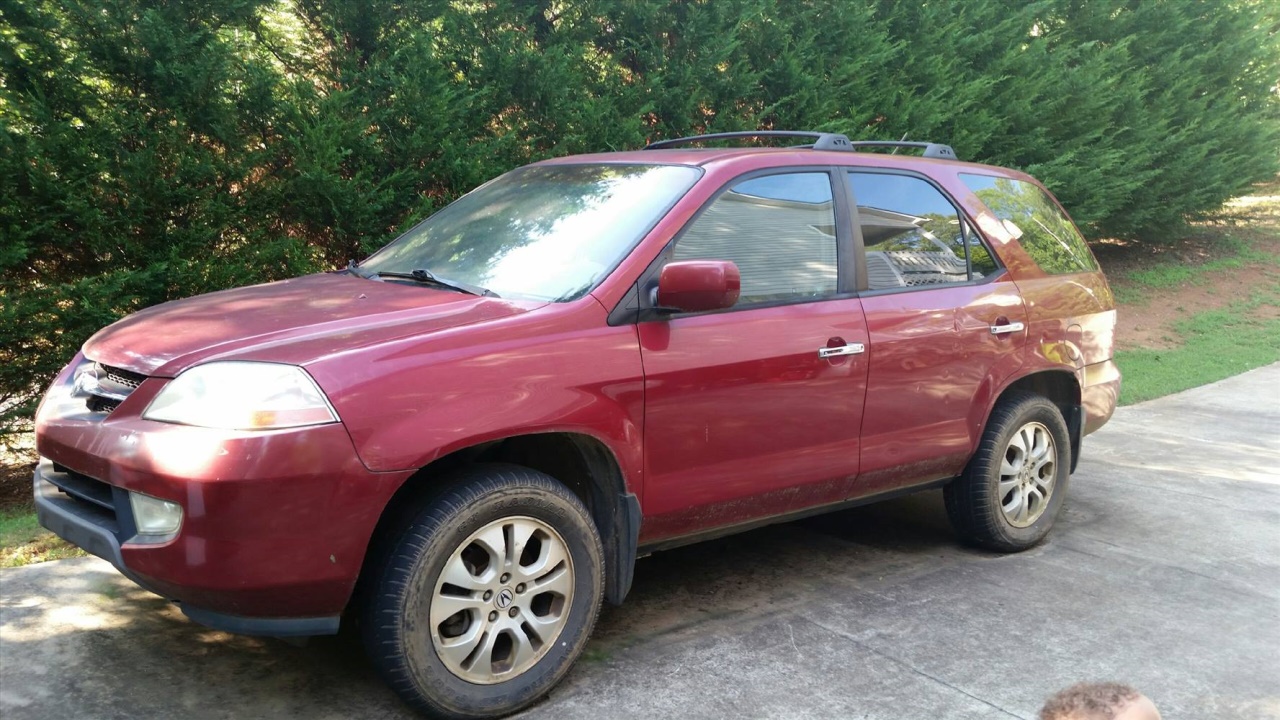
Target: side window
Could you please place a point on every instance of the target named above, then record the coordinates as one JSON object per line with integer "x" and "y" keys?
{"x": 1040, "y": 226}
{"x": 778, "y": 229}
{"x": 913, "y": 235}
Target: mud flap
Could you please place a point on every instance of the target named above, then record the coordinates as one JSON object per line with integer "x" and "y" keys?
{"x": 620, "y": 542}
{"x": 1075, "y": 426}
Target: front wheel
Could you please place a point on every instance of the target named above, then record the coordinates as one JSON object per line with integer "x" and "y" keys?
{"x": 488, "y": 597}
{"x": 1013, "y": 488}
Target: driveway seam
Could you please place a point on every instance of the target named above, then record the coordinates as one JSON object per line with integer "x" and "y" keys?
{"x": 910, "y": 667}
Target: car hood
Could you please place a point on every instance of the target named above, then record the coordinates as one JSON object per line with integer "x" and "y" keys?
{"x": 293, "y": 321}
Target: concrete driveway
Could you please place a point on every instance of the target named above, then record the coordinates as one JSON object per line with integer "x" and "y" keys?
{"x": 1164, "y": 572}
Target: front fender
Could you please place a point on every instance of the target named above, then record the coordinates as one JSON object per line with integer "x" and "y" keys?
{"x": 557, "y": 369}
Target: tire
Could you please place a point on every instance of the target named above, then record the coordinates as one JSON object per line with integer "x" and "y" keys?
{"x": 503, "y": 645}
{"x": 1003, "y": 502}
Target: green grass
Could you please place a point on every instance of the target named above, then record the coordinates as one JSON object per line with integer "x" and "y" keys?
{"x": 1216, "y": 344}
{"x": 1133, "y": 288}
{"x": 23, "y": 541}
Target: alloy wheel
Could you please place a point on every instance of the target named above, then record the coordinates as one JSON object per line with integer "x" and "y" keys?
{"x": 1027, "y": 474}
{"x": 501, "y": 600}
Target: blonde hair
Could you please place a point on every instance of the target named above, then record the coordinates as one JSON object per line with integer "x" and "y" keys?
{"x": 1089, "y": 701}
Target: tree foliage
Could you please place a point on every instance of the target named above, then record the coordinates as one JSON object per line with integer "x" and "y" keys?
{"x": 152, "y": 150}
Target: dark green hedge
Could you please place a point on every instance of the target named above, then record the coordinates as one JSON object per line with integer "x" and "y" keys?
{"x": 152, "y": 150}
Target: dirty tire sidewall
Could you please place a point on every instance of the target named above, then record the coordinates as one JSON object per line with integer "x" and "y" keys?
{"x": 398, "y": 628}
{"x": 973, "y": 501}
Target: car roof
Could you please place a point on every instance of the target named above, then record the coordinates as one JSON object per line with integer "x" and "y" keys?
{"x": 774, "y": 156}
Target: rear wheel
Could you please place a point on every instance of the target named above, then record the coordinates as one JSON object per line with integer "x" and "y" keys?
{"x": 1011, "y": 492}
{"x": 488, "y": 597}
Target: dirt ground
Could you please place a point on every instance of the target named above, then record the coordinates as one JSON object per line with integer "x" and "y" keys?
{"x": 1149, "y": 322}
{"x": 15, "y": 483}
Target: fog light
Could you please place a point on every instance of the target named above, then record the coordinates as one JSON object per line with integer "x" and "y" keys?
{"x": 153, "y": 516}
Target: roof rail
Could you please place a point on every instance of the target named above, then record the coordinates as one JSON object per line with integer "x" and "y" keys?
{"x": 931, "y": 150}
{"x": 822, "y": 141}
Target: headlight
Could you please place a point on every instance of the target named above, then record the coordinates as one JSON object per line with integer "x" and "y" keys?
{"x": 242, "y": 396}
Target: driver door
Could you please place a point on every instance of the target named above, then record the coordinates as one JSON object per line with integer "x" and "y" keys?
{"x": 748, "y": 412}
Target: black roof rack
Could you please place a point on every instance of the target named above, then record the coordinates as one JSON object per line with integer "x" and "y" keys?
{"x": 931, "y": 150}
{"x": 821, "y": 141}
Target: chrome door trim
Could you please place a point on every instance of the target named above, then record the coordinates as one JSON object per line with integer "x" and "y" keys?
{"x": 1008, "y": 328}
{"x": 850, "y": 349}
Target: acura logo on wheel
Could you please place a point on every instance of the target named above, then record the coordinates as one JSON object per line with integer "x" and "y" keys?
{"x": 503, "y": 601}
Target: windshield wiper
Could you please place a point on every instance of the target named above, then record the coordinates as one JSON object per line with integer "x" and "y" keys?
{"x": 425, "y": 276}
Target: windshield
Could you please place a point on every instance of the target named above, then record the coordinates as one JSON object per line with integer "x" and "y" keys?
{"x": 549, "y": 232}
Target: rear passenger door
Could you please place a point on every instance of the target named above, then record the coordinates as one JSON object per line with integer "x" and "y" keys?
{"x": 946, "y": 327}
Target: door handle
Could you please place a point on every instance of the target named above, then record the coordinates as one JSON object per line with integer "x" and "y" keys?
{"x": 850, "y": 349}
{"x": 1007, "y": 328}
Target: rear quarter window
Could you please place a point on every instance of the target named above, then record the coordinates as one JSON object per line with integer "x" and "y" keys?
{"x": 1040, "y": 226}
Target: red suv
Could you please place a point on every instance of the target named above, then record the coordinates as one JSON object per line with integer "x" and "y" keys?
{"x": 464, "y": 442}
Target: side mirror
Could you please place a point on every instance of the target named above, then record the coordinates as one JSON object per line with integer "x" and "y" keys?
{"x": 698, "y": 285}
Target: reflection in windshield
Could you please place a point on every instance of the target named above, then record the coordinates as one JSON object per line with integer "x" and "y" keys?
{"x": 547, "y": 232}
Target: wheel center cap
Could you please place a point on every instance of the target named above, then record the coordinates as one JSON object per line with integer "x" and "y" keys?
{"x": 504, "y": 598}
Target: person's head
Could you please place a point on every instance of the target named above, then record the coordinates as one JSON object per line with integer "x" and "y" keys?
{"x": 1099, "y": 701}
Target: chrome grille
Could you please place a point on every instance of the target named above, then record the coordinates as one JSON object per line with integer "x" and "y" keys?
{"x": 111, "y": 386}
{"x": 96, "y": 403}
{"x": 120, "y": 376}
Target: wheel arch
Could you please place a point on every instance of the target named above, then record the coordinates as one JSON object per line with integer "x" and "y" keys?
{"x": 1062, "y": 388}
{"x": 583, "y": 463}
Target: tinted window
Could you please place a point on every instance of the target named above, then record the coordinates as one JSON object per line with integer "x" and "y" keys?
{"x": 1041, "y": 227}
{"x": 913, "y": 235}
{"x": 778, "y": 229}
{"x": 546, "y": 232}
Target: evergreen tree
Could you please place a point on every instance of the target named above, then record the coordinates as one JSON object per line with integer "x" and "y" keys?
{"x": 154, "y": 150}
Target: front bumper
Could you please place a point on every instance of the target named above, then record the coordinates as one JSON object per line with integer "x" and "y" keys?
{"x": 98, "y": 532}
{"x": 275, "y": 524}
